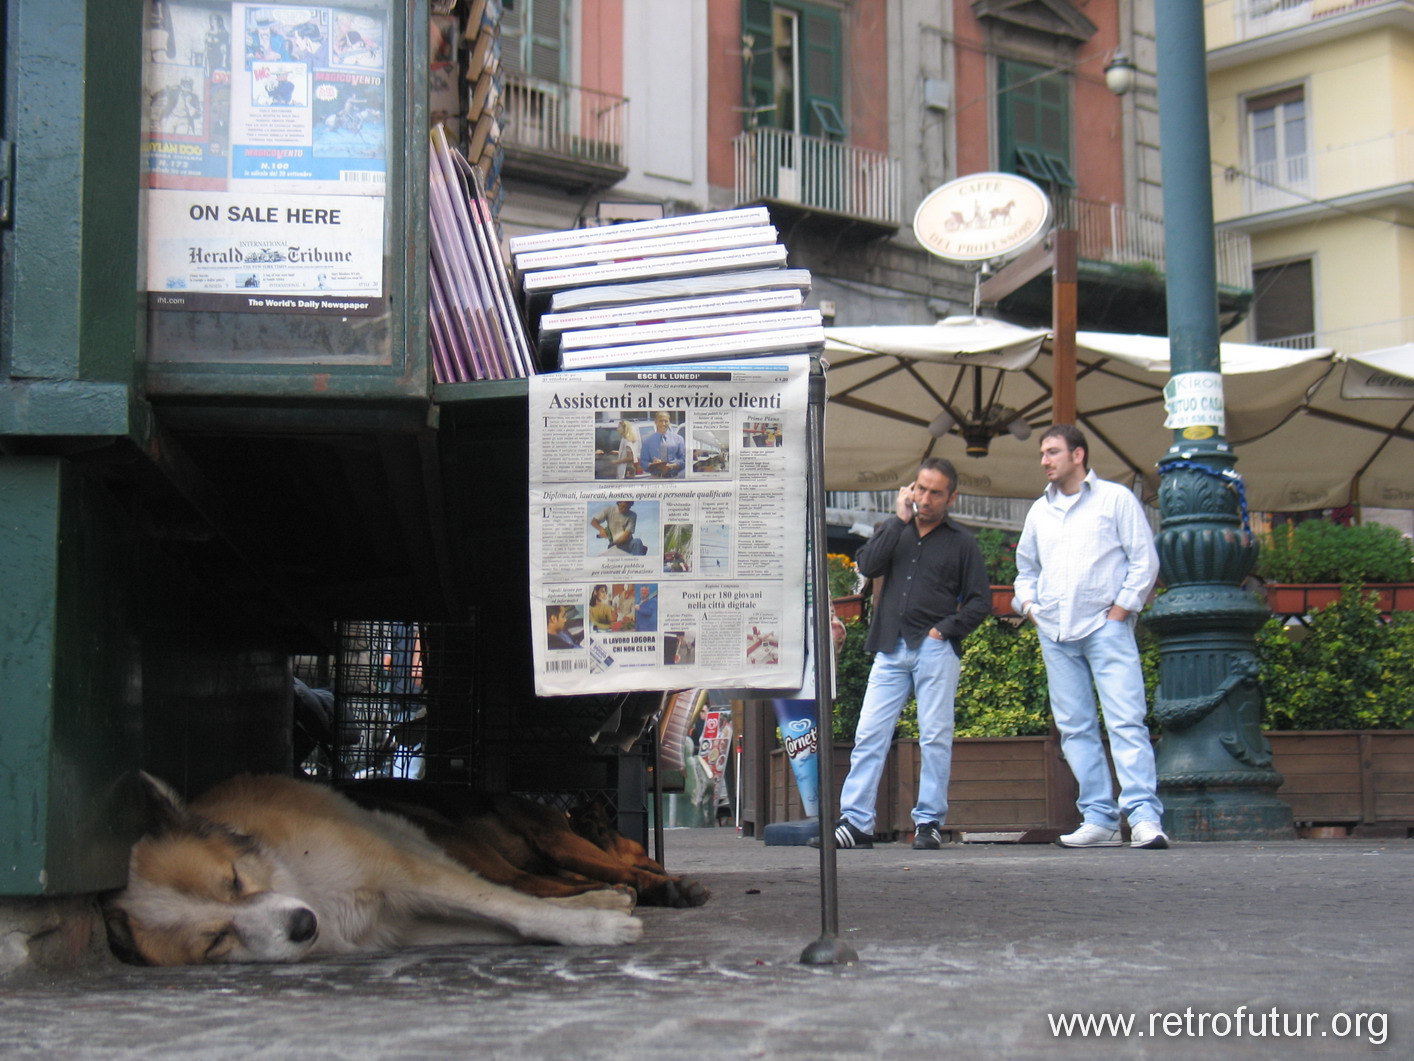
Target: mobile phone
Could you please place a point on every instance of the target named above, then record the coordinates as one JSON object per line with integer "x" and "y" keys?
{"x": 914, "y": 504}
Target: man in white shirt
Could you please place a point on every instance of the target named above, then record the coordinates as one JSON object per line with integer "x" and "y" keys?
{"x": 1085, "y": 566}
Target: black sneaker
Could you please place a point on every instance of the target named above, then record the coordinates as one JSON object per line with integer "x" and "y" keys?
{"x": 927, "y": 836}
{"x": 846, "y": 835}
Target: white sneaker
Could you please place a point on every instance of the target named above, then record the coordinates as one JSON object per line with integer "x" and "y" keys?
{"x": 1147, "y": 834}
{"x": 1091, "y": 836}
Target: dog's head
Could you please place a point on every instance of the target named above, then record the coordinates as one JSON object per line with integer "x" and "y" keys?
{"x": 202, "y": 893}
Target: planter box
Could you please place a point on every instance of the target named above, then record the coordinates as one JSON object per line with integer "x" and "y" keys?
{"x": 1360, "y": 778}
{"x": 999, "y": 784}
{"x": 848, "y": 608}
{"x": 1001, "y": 601}
{"x": 1359, "y": 781}
{"x": 1302, "y": 598}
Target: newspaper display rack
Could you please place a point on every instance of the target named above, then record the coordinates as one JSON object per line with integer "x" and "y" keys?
{"x": 690, "y": 574}
{"x": 668, "y": 456}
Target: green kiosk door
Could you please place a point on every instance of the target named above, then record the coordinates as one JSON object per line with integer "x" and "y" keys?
{"x": 216, "y": 427}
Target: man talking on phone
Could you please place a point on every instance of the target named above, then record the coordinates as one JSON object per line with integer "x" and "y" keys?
{"x": 935, "y": 594}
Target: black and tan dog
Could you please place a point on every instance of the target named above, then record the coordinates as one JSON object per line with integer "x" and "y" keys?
{"x": 271, "y": 869}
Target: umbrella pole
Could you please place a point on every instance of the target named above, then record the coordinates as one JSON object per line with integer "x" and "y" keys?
{"x": 828, "y": 949}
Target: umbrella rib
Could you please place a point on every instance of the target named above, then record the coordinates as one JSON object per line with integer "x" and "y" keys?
{"x": 1397, "y": 431}
{"x": 899, "y": 365}
{"x": 878, "y": 410}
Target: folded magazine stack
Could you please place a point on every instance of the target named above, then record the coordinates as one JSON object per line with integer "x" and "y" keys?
{"x": 475, "y": 328}
{"x": 699, "y": 287}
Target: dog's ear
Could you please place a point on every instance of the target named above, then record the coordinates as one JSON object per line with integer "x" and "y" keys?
{"x": 164, "y": 809}
{"x": 120, "y": 934}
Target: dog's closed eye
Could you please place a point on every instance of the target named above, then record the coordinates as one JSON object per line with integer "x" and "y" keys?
{"x": 237, "y": 887}
{"x": 219, "y": 943}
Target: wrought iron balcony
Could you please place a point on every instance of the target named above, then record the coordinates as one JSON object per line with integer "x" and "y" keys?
{"x": 1261, "y": 18}
{"x": 1382, "y": 165}
{"x": 1108, "y": 232}
{"x": 818, "y": 175}
{"x": 564, "y": 134}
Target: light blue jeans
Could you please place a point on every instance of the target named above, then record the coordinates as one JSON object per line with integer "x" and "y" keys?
{"x": 930, "y": 673}
{"x": 1106, "y": 661}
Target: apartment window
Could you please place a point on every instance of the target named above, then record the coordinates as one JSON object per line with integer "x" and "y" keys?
{"x": 1033, "y": 123}
{"x": 533, "y": 39}
{"x": 1283, "y": 304}
{"x": 1276, "y": 139}
{"x": 792, "y": 68}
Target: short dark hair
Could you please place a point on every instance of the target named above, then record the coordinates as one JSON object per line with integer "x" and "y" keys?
{"x": 1073, "y": 438}
{"x": 943, "y": 465}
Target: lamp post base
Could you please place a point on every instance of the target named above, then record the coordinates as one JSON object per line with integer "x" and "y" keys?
{"x": 1227, "y": 816}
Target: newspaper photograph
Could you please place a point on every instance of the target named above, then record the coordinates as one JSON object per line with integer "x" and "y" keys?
{"x": 667, "y": 546}
{"x": 267, "y": 158}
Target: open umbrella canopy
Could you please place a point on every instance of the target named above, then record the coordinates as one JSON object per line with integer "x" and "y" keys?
{"x": 974, "y": 391}
{"x": 1352, "y": 443}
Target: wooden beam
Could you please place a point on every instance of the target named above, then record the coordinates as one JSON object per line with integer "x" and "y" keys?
{"x": 1016, "y": 274}
{"x": 1063, "y": 324}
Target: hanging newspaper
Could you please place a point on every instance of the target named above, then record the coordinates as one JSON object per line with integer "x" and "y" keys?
{"x": 666, "y": 542}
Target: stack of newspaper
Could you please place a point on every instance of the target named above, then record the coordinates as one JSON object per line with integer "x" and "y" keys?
{"x": 700, "y": 287}
{"x": 476, "y": 331}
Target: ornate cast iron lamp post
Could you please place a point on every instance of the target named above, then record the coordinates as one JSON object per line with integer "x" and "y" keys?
{"x": 1215, "y": 772}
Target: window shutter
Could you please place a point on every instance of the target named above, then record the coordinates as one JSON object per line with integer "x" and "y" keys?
{"x": 1033, "y": 123}
{"x": 820, "y": 76}
{"x": 512, "y": 34}
{"x": 756, "y": 87}
{"x": 546, "y": 58}
{"x": 533, "y": 39}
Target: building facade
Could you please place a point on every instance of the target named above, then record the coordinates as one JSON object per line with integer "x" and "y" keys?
{"x": 841, "y": 117}
{"x": 1313, "y": 159}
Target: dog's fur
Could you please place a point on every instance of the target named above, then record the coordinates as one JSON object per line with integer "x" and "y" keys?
{"x": 534, "y": 848}
{"x": 271, "y": 869}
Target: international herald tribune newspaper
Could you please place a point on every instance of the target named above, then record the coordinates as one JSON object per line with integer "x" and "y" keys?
{"x": 667, "y": 526}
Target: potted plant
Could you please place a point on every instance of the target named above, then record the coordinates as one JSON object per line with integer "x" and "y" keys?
{"x": 845, "y": 584}
{"x": 1305, "y": 564}
{"x": 999, "y": 553}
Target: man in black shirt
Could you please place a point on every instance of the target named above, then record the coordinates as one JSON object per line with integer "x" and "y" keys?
{"x": 935, "y": 594}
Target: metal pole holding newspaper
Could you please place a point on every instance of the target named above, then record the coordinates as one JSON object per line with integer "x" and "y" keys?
{"x": 828, "y": 949}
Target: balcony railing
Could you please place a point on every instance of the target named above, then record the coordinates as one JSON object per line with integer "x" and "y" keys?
{"x": 1384, "y": 161}
{"x": 818, "y": 174}
{"x": 1261, "y": 18}
{"x": 1108, "y": 232}
{"x": 1360, "y": 339}
{"x": 565, "y": 120}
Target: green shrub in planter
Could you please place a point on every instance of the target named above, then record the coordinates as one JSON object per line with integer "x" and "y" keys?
{"x": 1318, "y": 550}
{"x": 1001, "y": 691}
{"x": 999, "y": 554}
{"x": 1350, "y": 670}
{"x": 1002, "y": 688}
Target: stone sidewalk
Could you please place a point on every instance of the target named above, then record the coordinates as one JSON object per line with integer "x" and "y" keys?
{"x": 1227, "y": 950}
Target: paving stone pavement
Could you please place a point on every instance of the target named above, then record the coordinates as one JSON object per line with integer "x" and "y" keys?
{"x": 1227, "y": 950}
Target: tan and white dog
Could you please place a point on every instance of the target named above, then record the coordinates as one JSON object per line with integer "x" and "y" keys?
{"x": 272, "y": 869}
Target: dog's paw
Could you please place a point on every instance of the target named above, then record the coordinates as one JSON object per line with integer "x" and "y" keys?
{"x": 676, "y": 892}
{"x": 618, "y": 897}
{"x": 616, "y": 928}
{"x": 690, "y": 892}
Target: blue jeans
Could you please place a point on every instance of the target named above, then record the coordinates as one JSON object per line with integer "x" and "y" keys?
{"x": 1106, "y": 661}
{"x": 930, "y": 672}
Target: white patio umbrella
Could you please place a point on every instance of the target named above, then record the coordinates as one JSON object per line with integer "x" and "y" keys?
{"x": 973, "y": 391}
{"x": 1353, "y": 443}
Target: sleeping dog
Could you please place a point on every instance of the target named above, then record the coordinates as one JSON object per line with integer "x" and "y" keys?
{"x": 272, "y": 869}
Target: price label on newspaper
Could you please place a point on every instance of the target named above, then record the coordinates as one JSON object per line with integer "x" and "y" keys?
{"x": 667, "y": 538}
